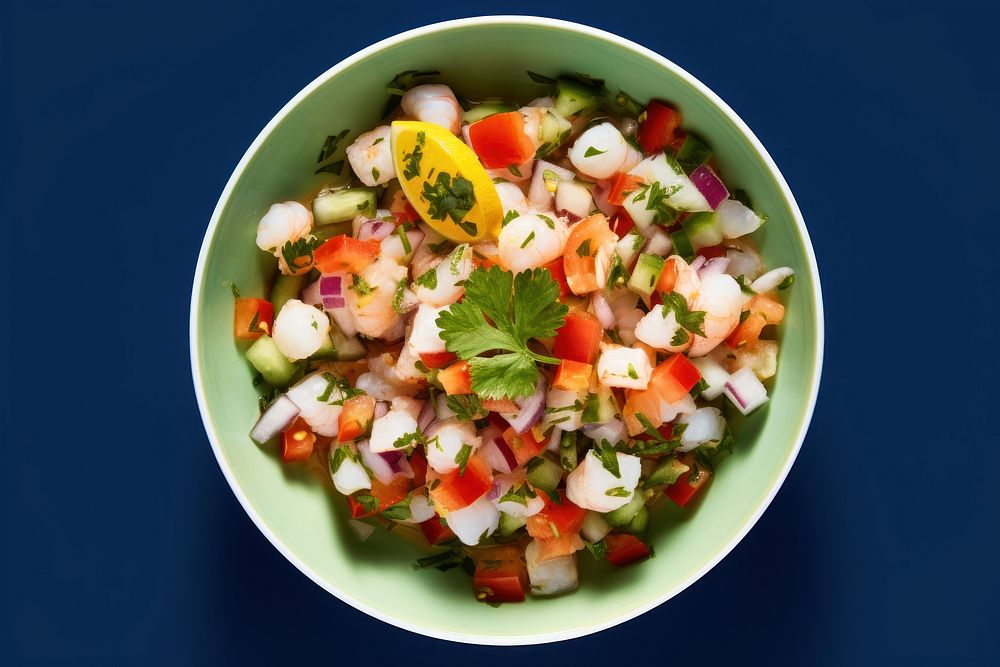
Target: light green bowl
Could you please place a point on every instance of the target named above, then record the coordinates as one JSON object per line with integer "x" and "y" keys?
{"x": 306, "y": 520}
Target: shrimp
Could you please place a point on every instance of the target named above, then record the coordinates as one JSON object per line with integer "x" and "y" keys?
{"x": 588, "y": 486}
{"x": 601, "y": 151}
{"x": 621, "y": 366}
{"x": 371, "y": 157}
{"x": 284, "y": 223}
{"x": 425, "y": 335}
{"x": 392, "y": 427}
{"x": 370, "y": 297}
{"x": 721, "y": 298}
{"x": 300, "y": 329}
{"x": 434, "y": 103}
{"x": 446, "y": 285}
{"x": 447, "y": 439}
{"x": 658, "y": 329}
{"x": 316, "y": 394}
{"x": 531, "y": 240}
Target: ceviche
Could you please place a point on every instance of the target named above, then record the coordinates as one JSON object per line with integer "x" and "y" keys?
{"x": 516, "y": 329}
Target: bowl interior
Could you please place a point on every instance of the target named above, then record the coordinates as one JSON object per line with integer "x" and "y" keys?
{"x": 306, "y": 518}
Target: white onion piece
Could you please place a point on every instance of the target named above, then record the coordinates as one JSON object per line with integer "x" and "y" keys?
{"x": 704, "y": 426}
{"x": 746, "y": 263}
{"x": 344, "y": 320}
{"x": 379, "y": 466}
{"x": 745, "y": 391}
{"x": 770, "y": 280}
{"x": 361, "y": 529}
{"x": 427, "y": 416}
{"x": 421, "y": 508}
{"x": 574, "y": 199}
{"x": 276, "y": 418}
{"x": 602, "y": 310}
{"x": 538, "y": 194}
{"x": 659, "y": 242}
{"x": 713, "y": 267}
{"x": 601, "y": 193}
{"x": 311, "y": 295}
{"x": 553, "y": 444}
{"x": 471, "y": 522}
{"x": 714, "y": 375}
{"x": 532, "y": 410}
{"x": 553, "y": 576}
{"x": 698, "y": 262}
{"x": 736, "y": 219}
{"x": 612, "y": 431}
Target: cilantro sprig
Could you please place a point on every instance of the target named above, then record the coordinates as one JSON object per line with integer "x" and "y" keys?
{"x": 501, "y": 313}
{"x": 690, "y": 320}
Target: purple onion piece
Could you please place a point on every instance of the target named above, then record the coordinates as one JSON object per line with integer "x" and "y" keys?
{"x": 426, "y": 417}
{"x": 331, "y": 302}
{"x": 709, "y": 185}
{"x": 532, "y": 409}
{"x": 713, "y": 267}
{"x": 508, "y": 454}
{"x": 331, "y": 284}
{"x": 698, "y": 262}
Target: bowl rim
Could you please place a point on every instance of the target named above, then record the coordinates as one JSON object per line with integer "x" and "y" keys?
{"x": 534, "y": 21}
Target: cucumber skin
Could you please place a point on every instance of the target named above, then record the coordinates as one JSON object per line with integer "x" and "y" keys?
{"x": 624, "y": 514}
{"x": 573, "y": 97}
{"x": 486, "y": 109}
{"x": 546, "y": 476}
{"x": 509, "y": 525}
{"x": 284, "y": 289}
{"x": 275, "y": 368}
{"x": 343, "y": 205}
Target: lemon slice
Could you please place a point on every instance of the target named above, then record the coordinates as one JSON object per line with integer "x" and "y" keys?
{"x": 445, "y": 183}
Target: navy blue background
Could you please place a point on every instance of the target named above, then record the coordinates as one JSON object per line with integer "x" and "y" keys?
{"x": 123, "y": 544}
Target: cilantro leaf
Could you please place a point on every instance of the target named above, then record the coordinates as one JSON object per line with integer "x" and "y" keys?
{"x": 502, "y": 312}
{"x": 299, "y": 254}
{"x": 691, "y": 320}
{"x": 591, "y": 152}
{"x": 449, "y": 197}
{"x": 462, "y": 458}
{"x": 467, "y": 407}
{"x": 608, "y": 456}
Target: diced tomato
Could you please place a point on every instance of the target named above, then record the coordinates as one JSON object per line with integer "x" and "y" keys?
{"x": 712, "y": 251}
{"x": 436, "y": 532}
{"x": 456, "y": 490}
{"x": 556, "y": 519}
{"x": 621, "y": 184}
{"x": 624, "y": 549}
{"x": 668, "y": 278}
{"x": 678, "y": 140}
{"x": 499, "y": 405}
{"x": 683, "y": 490}
{"x": 456, "y": 379}
{"x": 623, "y": 224}
{"x": 501, "y": 575}
{"x": 579, "y": 338}
{"x": 761, "y": 311}
{"x": 579, "y": 264}
{"x": 355, "y": 418}
{"x": 657, "y": 130}
{"x": 558, "y": 273}
{"x": 647, "y": 402}
{"x": 401, "y": 209}
{"x": 666, "y": 432}
{"x": 418, "y": 463}
{"x": 297, "y": 442}
{"x": 572, "y": 375}
{"x": 437, "y": 359}
{"x": 386, "y": 495}
{"x": 345, "y": 254}
{"x": 252, "y": 318}
{"x": 499, "y": 140}
{"x": 525, "y": 446}
{"x": 674, "y": 378}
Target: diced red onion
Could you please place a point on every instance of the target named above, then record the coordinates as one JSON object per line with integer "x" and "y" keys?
{"x": 493, "y": 457}
{"x": 374, "y": 230}
{"x": 331, "y": 284}
{"x": 601, "y": 193}
{"x": 698, "y": 262}
{"x": 507, "y": 453}
{"x": 770, "y": 280}
{"x": 344, "y": 320}
{"x": 381, "y": 409}
{"x": 745, "y": 391}
{"x": 495, "y": 490}
{"x": 426, "y": 417}
{"x": 276, "y": 418}
{"x": 709, "y": 185}
{"x": 613, "y": 431}
{"x": 381, "y": 468}
{"x": 713, "y": 267}
{"x": 602, "y": 310}
{"x": 331, "y": 302}
{"x": 532, "y": 409}
{"x": 311, "y": 295}
{"x": 397, "y": 461}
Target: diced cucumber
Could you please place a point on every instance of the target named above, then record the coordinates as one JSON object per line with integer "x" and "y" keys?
{"x": 544, "y": 473}
{"x": 573, "y": 97}
{"x": 640, "y": 522}
{"x": 703, "y": 228}
{"x": 666, "y": 473}
{"x": 487, "y": 108}
{"x": 629, "y": 246}
{"x": 284, "y": 289}
{"x": 552, "y": 132}
{"x": 682, "y": 244}
{"x": 567, "y": 450}
{"x": 646, "y": 274}
{"x": 275, "y": 367}
{"x": 600, "y": 407}
{"x": 692, "y": 154}
{"x": 347, "y": 349}
{"x": 594, "y": 527}
{"x": 329, "y": 231}
{"x": 332, "y": 206}
{"x": 509, "y": 524}
{"x": 326, "y": 351}
{"x": 624, "y": 514}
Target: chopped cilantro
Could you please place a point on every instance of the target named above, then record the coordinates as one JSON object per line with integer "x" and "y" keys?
{"x": 428, "y": 279}
{"x": 361, "y": 286}
{"x": 449, "y": 197}
{"x": 527, "y": 240}
{"x": 514, "y": 170}
{"x": 511, "y": 214}
{"x": 608, "y": 456}
{"x": 583, "y": 250}
{"x": 618, "y": 492}
{"x": 591, "y": 152}
{"x": 689, "y": 321}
